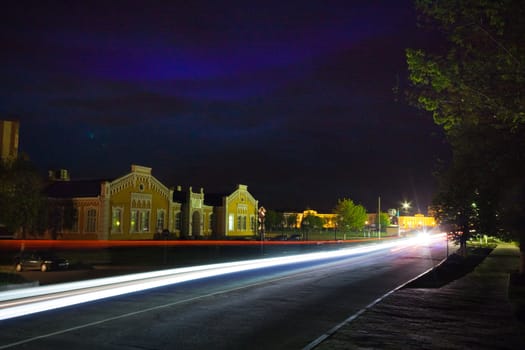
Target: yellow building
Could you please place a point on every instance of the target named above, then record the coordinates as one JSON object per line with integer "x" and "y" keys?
{"x": 9, "y": 131}
{"x": 138, "y": 206}
{"x": 134, "y": 206}
{"x": 329, "y": 220}
{"x": 418, "y": 221}
{"x": 235, "y": 214}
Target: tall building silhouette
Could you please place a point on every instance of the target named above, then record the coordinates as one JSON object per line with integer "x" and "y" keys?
{"x": 9, "y": 130}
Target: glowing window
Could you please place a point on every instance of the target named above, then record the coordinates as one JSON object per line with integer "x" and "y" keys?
{"x": 133, "y": 224}
{"x": 116, "y": 220}
{"x": 144, "y": 221}
{"x": 230, "y": 222}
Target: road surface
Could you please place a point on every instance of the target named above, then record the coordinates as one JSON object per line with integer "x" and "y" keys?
{"x": 283, "y": 307}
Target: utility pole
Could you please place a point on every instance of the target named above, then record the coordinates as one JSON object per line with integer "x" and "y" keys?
{"x": 379, "y": 217}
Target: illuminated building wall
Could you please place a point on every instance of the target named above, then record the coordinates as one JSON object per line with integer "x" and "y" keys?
{"x": 9, "y": 139}
{"x": 417, "y": 221}
{"x": 235, "y": 214}
{"x": 329, "y": 219}
{"x": 138, "y": 206}
{"x": 85, "y": 199}
{"x": 406, "y": 222}
{"x": 194, "y": 216}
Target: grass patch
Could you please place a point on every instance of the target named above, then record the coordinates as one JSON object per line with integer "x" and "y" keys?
{"x": 454, "y": 267}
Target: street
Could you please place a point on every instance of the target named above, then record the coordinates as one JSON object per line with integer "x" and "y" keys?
{"x": 282, "y": 307}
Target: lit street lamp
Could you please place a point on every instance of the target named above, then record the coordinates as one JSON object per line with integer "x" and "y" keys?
{"x": 406, "y": 206}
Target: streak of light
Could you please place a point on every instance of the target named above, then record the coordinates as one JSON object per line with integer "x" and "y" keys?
{"x": 95, "y": 244}
{"x": 26, "y": 301}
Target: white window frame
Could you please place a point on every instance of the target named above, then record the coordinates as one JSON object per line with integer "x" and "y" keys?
{"x": 161, "y": 220}
{"x": 91, "y": 220}
{"x": 116, "y": 227}
{"x": 231, "y": 221}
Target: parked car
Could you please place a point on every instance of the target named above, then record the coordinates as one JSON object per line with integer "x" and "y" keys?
{"x": 295, "y": 237}
{"x": 43, "y": 261}
{"x": 278, "y": 238}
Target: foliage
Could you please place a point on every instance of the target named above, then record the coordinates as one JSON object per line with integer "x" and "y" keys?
{"x": 351, "y": 216}
{"x": 384, "y": 219}
{"x": 21, "y": 199}
{"x": 291, "y": 221}
{"x": 274, "y": 220}
{"x": 473, "y": 84}
{"x": 312, "y": 222}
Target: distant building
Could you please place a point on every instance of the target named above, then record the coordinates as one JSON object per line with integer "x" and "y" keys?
{"x": 9, "y": 133}
{"x": 418, "y": 221}
{"x": 328, "y": 219}
{"x": 406, "y": 223}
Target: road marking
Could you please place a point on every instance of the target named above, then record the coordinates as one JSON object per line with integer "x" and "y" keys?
{"x": 158, "y": 307}
{"x": 333, "y": 330}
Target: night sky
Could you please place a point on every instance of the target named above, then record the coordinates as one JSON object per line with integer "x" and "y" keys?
{"x": 296, "y": 99}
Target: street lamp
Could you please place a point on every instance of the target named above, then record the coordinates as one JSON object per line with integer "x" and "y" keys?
{"x": 406, "y": 206}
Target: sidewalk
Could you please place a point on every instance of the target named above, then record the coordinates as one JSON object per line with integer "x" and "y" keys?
{"x": 472, "y": 312}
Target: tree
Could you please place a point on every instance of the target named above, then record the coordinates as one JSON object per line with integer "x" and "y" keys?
{"x": 312, "y": 222}
{"x": 473, "y": 83}
{"x": 21, "y": 199}
{"x": 350, "y": 215}
{"x": 274, "y": 220}
{"x": 384, "y": 219}
{"x": 291, "y": 221}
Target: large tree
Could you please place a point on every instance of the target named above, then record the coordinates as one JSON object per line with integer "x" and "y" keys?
{"x": 350, "y": 216}
{"x": 21, "y": 199}
{"x": 471, "y": 78}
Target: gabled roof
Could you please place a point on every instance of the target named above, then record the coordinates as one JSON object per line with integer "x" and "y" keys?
{"x": 74, "y": 189}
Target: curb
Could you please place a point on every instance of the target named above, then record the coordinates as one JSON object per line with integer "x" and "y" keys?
{"x": 347, "y": 321}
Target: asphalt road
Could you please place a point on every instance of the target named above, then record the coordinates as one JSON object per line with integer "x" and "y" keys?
{"x": 283, "y": 307}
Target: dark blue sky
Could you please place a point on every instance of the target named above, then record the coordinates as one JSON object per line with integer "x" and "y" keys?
{"x": 294, "y": 99}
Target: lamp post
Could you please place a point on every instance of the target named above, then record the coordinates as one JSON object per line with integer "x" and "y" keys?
{"x": 379, "y": 217}
{"x": 398, "y": 224}
{"x": 406, "y": 206}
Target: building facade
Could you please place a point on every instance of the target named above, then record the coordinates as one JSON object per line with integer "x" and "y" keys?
{"x": 138, "y": 206}
{"x": 416, "y": 222}
{"x": 406, "y": 223}
{"x": 234, "y": 215}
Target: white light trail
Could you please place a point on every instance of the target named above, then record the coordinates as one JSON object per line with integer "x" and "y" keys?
{"x": 26, "y": 301}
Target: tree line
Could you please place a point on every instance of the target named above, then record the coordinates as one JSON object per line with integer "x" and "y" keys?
{"x": 470, "y": 78}
{"x": 349, "y": 216}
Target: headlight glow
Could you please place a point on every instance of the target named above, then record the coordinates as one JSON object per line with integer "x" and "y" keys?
{"x": 25, "y": 301}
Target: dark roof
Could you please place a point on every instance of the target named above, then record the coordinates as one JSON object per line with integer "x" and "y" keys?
{"x": 74, "y": 189}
